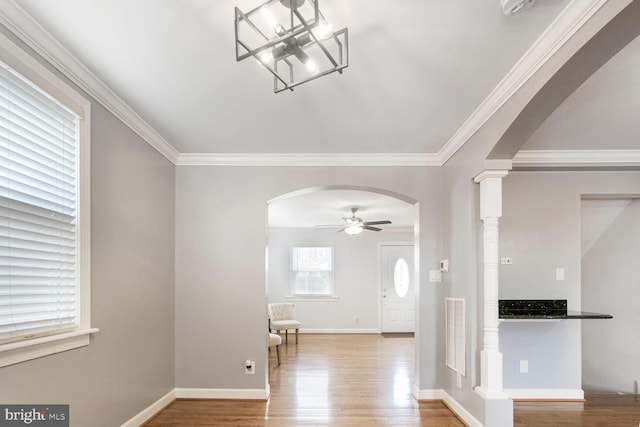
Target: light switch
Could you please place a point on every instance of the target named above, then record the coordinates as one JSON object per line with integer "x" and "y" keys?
{"x": 435, "y": 276}
{"x": 560, "y": 273}
{"x": 524, "y": 366}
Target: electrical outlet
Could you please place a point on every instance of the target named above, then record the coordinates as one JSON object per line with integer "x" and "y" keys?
{"x": 524, "y": 366}
{"x": 506, "y": 261}
{"x": 249, "y": 367}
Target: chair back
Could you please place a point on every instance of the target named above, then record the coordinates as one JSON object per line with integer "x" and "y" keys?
{"x": 282, "y": 311}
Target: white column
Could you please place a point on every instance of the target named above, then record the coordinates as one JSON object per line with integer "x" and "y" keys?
{"x": 490, "y": 212}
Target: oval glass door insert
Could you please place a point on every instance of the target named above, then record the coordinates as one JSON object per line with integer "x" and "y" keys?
{"x": 401, "y": 277}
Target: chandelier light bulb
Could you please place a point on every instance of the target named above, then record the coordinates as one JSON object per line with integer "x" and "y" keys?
{"x": 311, "y": 66}
{"x": 324, "y": 31}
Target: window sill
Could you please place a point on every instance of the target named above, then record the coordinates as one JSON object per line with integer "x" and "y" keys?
{"x": 21, "y": 351}
{"x": 323, "y": 298}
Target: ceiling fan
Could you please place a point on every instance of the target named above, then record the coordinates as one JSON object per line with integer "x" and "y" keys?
{"x": 355, "y": 225}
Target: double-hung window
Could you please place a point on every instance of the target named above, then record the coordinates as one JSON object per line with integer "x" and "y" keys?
{"x": 312, "y": 271}
{"x": 44, "y": 242}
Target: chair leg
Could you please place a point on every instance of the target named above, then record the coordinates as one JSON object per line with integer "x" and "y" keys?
{"x": 286, "y": 336}
{"x": 296, "y": 336}
{"x": 278, "y": 353}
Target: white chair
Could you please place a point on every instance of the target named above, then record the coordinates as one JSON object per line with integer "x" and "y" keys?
{"x": 275, "y": 341}
{"x": 282, "y": 317}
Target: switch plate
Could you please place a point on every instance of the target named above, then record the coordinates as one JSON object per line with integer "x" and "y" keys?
{"x": 249, "y": 367}
{"x": 524, "y": 366}
{"x": 506, "y": 261}
{"x": 559, "y": 273}
{"x": 435, "y": 276}
{"x": 444, "y": 265}
{"x": 459, "y": 380}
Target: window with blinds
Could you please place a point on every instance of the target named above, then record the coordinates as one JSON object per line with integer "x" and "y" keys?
{"x": 38, "y": 211}
{"x": 312, "y": 271}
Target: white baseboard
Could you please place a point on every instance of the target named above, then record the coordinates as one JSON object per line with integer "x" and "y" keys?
{"x": 151, "y": 410}
{"x": 452, "y": 404}
{"x": 339, "y": 331}
{"x": 545, "y": 393}
{"x": 222, "y": 393}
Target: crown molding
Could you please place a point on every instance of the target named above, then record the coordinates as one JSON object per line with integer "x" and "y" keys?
{"x": 576, "y": 158}
{"x": 311, "y": 159}
{"x": 23, "y": 26}
{"x": 572, "y": 18}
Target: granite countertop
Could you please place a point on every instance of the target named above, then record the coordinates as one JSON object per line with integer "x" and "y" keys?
{"x": 543, "y": 309}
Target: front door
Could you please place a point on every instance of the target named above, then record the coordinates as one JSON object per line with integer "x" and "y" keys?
{"x": 398, "y": 292}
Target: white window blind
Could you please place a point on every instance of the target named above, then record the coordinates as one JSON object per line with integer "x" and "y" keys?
{"x": 312, "y": 269}
{"x": 38, "y": 211}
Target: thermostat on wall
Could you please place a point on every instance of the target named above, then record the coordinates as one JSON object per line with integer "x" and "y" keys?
{"x": 444, "y": 265}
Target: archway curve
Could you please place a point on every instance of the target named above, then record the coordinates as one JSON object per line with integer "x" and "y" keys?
{"x": 316, "y": 189}
{"x": 600, "y": 48}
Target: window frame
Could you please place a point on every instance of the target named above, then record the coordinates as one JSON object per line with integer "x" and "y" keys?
{"x": 37, "y": 74}
{"x": 293, "y": 296}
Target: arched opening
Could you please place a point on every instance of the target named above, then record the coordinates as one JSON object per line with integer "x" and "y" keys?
{"x": 315, "y": 217}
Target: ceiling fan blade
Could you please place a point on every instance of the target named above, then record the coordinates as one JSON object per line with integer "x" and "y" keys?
{"x": 377, "y": 222}
{"x": 342, "y": 229}
{"x": 366, "y": 227}
{"x": 329, "y": 225}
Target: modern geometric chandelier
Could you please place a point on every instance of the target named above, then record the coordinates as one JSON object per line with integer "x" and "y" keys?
{"x": 291, "y": 39}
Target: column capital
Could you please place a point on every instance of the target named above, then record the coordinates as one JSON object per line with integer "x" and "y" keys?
{"x": 490, "y": 192}
{"x": 490, "y": 173}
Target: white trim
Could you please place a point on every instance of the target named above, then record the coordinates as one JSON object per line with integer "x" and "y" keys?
{"x": 420, "y": 395}
{"x": 151, "y": 410}
{"x": 555, "y": 36}
{"x": 452, "y": 404}
{"x": 545, "y": 393}
{"x": 339, "y": 331}
{"x": 20, "y": 351}
{"x": 222, "y": 393}
{"x": 36, "y": 37}
{"x": 308, "y": 159}
{"x": 576, "y": 158}
{"x": 323, "y": 298}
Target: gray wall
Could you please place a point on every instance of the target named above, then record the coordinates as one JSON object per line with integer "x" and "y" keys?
{"x": 611, "y": 284}
{"x": 356, "y": 276}
{"x": 221, "y": 236}
{"x": 541, "y": 233}
{"x": 129, "y": 363}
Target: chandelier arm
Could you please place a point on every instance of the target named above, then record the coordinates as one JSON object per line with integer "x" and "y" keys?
{"x": 313, "y": 36}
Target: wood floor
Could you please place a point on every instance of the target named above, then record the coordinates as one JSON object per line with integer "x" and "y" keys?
{"x": 366, "y": 380}
{"x": 326, "y": 380}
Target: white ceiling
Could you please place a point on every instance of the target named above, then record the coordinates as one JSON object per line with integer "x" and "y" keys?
{"x": 418, "y": 69}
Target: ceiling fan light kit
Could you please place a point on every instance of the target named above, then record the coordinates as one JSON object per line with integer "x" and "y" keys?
{"x": 292, "y": 40}
{"x": 354, "y": 225}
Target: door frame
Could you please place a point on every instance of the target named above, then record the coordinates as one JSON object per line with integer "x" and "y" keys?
{"x": 379, "y": 270}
